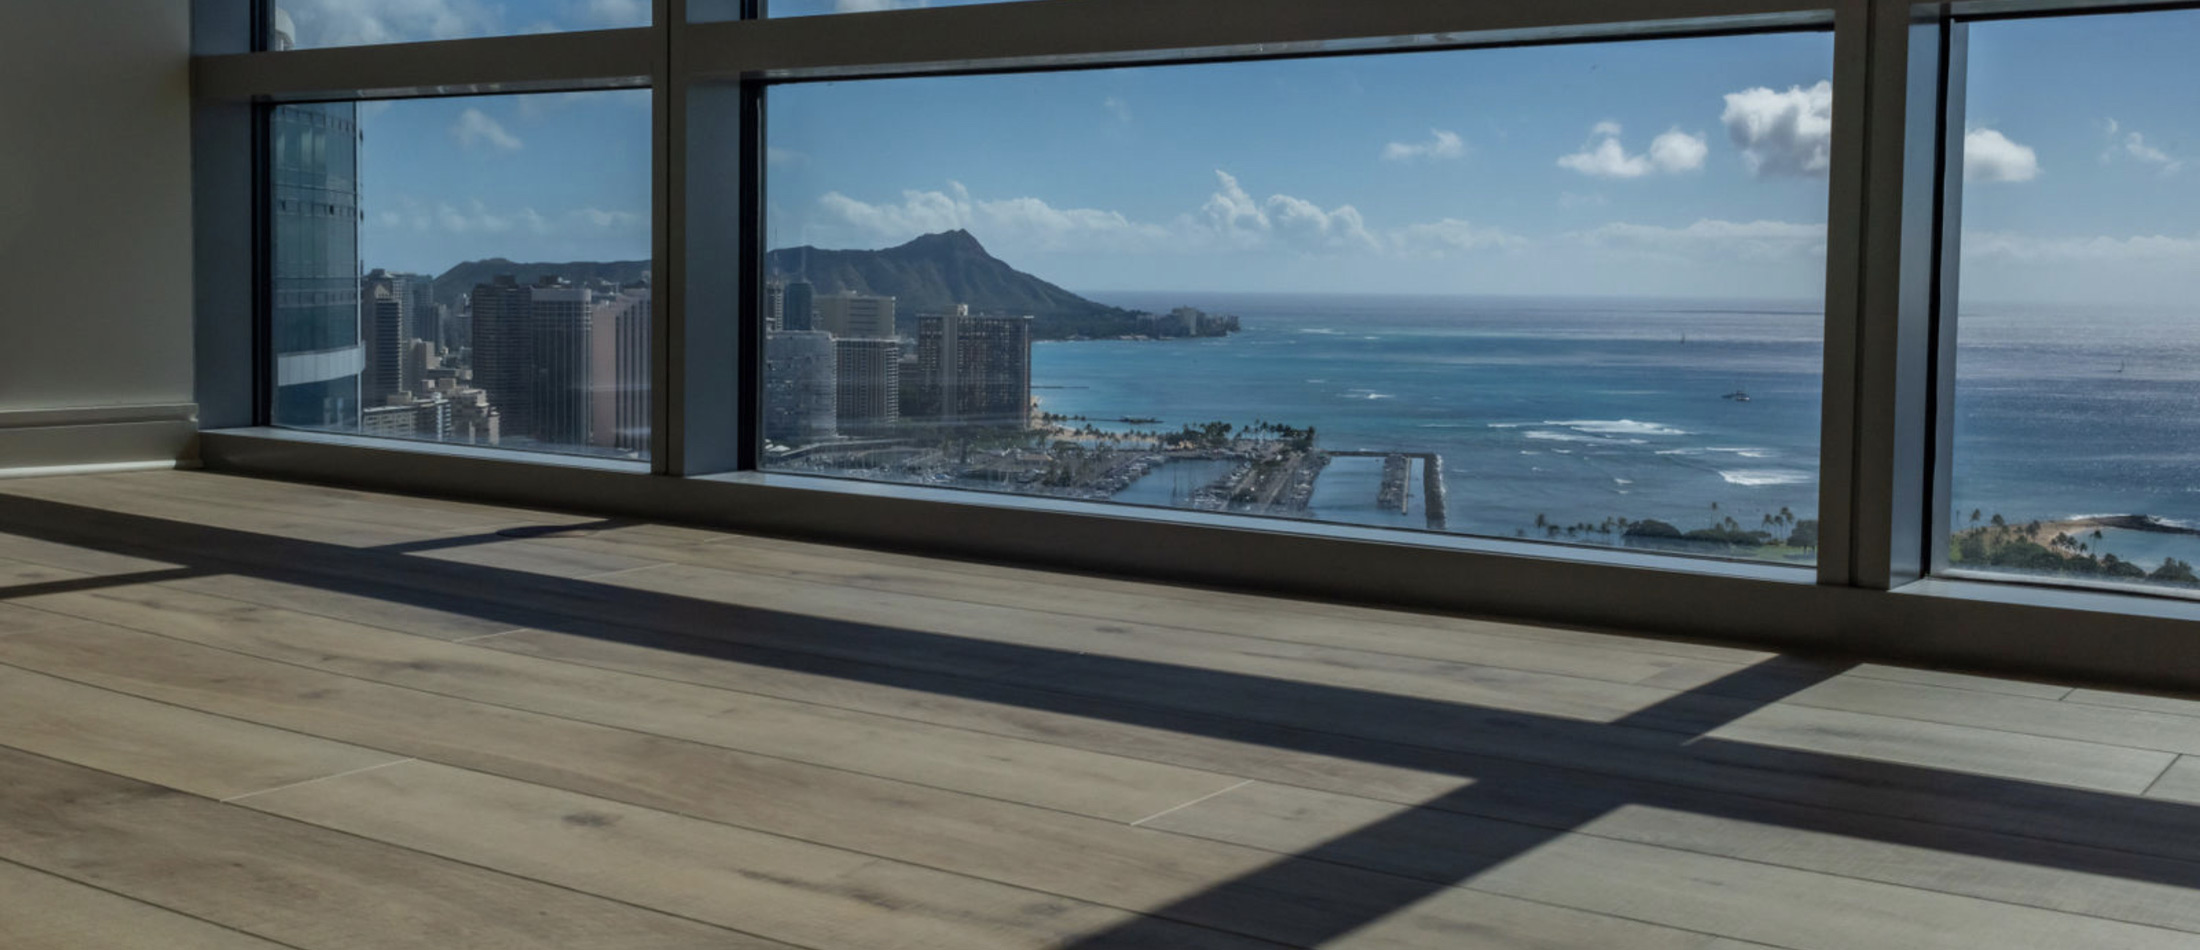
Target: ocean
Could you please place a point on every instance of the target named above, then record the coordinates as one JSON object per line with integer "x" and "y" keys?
{"x": 1553, "y": 411}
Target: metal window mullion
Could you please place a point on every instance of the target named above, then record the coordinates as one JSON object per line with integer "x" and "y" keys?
{"x": 1041, "y": 29}
{"x": 1846, "y": 211}
{"x": 667, "y": 301}
{"x": 1955, "y": 60}
{"x": 444, "y": 67}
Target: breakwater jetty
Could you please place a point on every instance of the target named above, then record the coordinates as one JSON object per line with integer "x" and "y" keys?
{"x": 1394, "y": 495}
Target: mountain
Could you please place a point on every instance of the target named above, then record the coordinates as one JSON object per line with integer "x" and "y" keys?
{"x": 937, "y": 271}
{"x": 460, "y": 280}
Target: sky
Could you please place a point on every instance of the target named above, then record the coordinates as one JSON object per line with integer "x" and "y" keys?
{"x": 1691, "y": 167}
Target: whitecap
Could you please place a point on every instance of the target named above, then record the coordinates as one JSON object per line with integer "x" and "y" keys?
{"x": 1553, "y": 435}
{"x": 1747, "y": 453}
{"x": 1623, "y": 481}
{"x": 1764, "y": 477}
{"x": 1678, "y": 451}
{"x": 1516, "y": 425}
{"x": 1618, "y": 427}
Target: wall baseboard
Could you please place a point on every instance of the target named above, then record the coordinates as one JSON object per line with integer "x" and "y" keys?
{"x": 59, "y": 441}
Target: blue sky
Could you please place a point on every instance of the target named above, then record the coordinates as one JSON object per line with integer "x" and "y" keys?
{"x": 1678, "y": 167}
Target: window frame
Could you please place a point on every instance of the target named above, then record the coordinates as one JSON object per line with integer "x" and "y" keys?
{"x": 1893, "y": 210}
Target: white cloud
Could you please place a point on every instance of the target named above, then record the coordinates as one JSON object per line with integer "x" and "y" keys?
{"x": 1441, "y": 145}
{"x": 1440, "y": 238}
{"x": 351, "y": 22}
{"x": 1230, "y": 219}
{"x": 1989, "y": 156}
{"x": 616, "y": 13}
{"x": 1604, "y": 157}
{"x": 1024, "y": 223}
{"x": 477, "y": 217}
{"x": 2022, "y": 248}
{"x": 775, "y": 155}
{"x": 1678, "y": 151}
{"x": 1782, "y": 133}
{"x": 1117, "y": 107}
{"x": 2134, "y": 145}
{"x": 475, "y": 129}
{"x": 1712, "y": 238}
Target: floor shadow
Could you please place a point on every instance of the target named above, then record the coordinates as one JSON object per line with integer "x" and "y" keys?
{"x": 1542, "y": 776}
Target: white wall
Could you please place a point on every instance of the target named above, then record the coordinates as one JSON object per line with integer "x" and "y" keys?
{"x": 95, "y": 231}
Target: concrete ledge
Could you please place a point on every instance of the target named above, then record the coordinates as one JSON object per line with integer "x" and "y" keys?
{"x": 1959, "y": 624}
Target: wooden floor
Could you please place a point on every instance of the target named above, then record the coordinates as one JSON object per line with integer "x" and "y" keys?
{"x": 246, "y": 714}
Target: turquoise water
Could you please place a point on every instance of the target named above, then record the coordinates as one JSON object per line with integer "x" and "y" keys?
{"x": 1583, "y": 410}
{"x": 1577, "y": 411}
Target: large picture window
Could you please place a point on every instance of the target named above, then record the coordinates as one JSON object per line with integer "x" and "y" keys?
{"x": 2076, "y": 436}
{"x": 1566, "y": 293}
{"x": 464, "y": 270}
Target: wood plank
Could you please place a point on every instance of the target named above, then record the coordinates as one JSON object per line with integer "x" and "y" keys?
{"x": 776, "y": 887}
{"x": 154, "y": 742}
{"x": 2153, "y": 702}
{"x": 296, "y": 884}
{"x": 857, "y": 567}
{"x": 2120, "y": 726}
{"x": 269, "y": 521}
{"x": 2180, "y": 782}
{"x": 44, "y": 912}
{"x": 1980, "y": 750}
{"x": 2027, "y": 869}
{"x": 1036, "y": 773}
{"x": 1478, "y": 644}
{"x": 1417, "y": 841}
{"x": 1093, "y": 860}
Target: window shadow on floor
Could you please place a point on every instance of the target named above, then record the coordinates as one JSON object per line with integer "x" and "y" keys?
{"x": 1528, "y": 778}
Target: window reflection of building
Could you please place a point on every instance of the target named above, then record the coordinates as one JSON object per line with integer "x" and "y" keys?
{"x": 314, "y": 323}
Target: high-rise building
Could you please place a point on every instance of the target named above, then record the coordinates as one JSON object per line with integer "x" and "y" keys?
{"x": 775, "y": 305}
{"x": 314, "y": 324}
{"x": 796, "y": 306}
{"x": 620, "y": 353}
{"x": 503, "y": 351}
{"x": 853, "y": 316}
{"x": 382, "y": 335}
{"x": 868, "y": 379}
{"x": 423, "y": 319}
{"x": 800, "y": 386}
{"x": 420, "y": 360}
{"x": 974, "y": 369}
{"x": 562, "y": 379}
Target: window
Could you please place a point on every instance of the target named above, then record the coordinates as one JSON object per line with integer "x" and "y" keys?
{"x": 312, "y": 24}
{"x": 1566, "y": 293}
{"x": 814, "y": 7}
{"x": 2077, "y": 397}
{"x": 465, "y": 270}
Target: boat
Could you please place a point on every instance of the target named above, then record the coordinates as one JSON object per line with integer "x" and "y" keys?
{"x": 1737, "y": 396}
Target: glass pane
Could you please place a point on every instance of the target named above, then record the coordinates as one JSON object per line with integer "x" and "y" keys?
{"x": 469, "y": 270}
{"x": 1572, "y": 294}
{"x": 2077, "y": 440}
{"x": 312, "y": 24}
{"x": 815, "y": 7}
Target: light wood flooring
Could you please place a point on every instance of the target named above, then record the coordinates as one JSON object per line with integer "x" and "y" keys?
{"x": 246, "y": 714}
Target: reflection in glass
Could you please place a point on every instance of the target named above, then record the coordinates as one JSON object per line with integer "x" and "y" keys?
{"x": 313, "y": 24}
{"x": 1571, "y": 294}
{"x": 465, "y": 270}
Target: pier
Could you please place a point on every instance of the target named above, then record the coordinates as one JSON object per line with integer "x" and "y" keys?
{"x": 1397, "y": 470}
